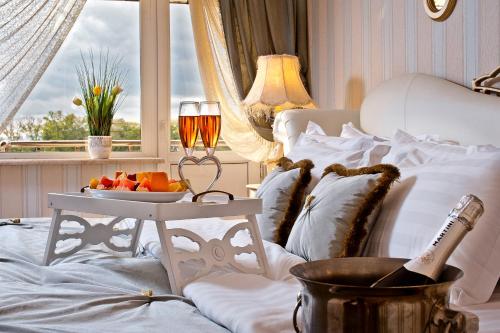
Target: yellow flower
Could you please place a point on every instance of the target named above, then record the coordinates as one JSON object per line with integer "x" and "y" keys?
{"x": 77, "y": 101}
{"x": 116, "y": 90}
{"x": 97, "y": 90}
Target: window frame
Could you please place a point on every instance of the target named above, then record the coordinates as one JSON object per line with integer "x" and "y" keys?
{"x": 149, "y": 88}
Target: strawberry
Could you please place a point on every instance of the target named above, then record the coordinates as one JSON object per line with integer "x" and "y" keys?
{"x": 132, "y": 177}
{"x": 106, "y": 181}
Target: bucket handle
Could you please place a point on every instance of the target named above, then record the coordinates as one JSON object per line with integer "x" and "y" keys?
{"x": 296, "y": 311}
{"x": 448, "y": 320}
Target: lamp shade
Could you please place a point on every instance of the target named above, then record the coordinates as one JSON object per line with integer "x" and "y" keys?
{"x": 278, "y": 84}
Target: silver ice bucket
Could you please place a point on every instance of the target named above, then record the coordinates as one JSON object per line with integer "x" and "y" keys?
{"x": 337, "y": 297}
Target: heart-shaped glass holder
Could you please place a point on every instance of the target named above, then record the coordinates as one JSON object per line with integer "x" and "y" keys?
{"x": 200, "y": 161}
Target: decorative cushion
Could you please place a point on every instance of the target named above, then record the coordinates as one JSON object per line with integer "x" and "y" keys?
{"x": 338, "y": 214}
{"x": 282, "y": 193}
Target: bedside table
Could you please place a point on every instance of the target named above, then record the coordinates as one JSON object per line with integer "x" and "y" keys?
{"x": 252, "y": 189}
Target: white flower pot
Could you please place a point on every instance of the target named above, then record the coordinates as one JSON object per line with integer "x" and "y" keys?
{"x": 99, "y": 147}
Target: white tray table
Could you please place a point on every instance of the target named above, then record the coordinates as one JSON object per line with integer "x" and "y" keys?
{"x": 215, "y": 252}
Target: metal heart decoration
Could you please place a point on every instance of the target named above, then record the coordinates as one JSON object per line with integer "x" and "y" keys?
{"x": 200, "y": 161}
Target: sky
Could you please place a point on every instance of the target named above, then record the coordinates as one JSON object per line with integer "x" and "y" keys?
{"x": 114, "y": 25}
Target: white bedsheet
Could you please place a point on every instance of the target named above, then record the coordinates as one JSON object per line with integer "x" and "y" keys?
{"x": 488, "y": 313}
{"x": 249, "y": 303}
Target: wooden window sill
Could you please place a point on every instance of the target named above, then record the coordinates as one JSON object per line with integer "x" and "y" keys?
{"x": 79, "y": 161}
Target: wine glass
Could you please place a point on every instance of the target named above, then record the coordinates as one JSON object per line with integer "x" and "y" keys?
{"x": 210, "y": 123}
{"x": 189, "y": 113}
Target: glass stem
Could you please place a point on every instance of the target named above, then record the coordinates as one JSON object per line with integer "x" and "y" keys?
{"x": 189, "y": 151}
{"x": 210, "y": 151}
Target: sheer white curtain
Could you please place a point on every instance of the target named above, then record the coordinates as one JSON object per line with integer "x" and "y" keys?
{"x": 31, "y": 32}
{"x": 219, "y": 82}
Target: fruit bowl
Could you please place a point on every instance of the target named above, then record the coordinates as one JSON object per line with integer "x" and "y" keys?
{"x": 158, "y": 197}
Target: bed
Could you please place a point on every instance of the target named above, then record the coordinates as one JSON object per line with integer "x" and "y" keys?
{"x": 419, "y": 104}
{"x": 98, "y": 290}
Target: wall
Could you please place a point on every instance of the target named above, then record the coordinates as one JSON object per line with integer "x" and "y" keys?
{"x": 24, "y": 185}
{"x": 356, "y": 44}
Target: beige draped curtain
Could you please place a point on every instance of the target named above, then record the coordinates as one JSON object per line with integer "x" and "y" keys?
{"x": 31, "y": 33}
{"x": 219, "y": 82}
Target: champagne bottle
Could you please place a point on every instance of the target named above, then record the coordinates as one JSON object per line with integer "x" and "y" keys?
{"x": 427, "y": 267}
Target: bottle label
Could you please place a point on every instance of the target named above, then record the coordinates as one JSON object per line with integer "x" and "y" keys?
{"x": 425, "y": 258}
{"x": 443, "y": 231}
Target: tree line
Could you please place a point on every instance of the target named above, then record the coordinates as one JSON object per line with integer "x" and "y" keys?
{"x": 59, "y": 126}
{"x": 56, "y": 125}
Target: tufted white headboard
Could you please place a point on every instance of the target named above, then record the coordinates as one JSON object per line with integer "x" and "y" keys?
{"x": 424, "y": 104}
{"x": 417, "y": 103}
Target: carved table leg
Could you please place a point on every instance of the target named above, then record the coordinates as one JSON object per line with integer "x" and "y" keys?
{"x": 213, "y": 253}
{"x": 168, "y": 248}
{"x": 91, "y": 234}
{"x": 52, "y": 239}
{"x": 257, "y": 240}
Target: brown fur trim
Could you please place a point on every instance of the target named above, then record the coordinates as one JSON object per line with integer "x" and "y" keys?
{"x": 296, "y": 197}
{"x": 357, "y": 231}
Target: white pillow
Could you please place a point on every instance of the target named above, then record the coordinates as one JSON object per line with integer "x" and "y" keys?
{"x": 401, "y": 136}
{"x": 314, "y": 129}
{"x": 350, "y": 131}
{"x": 415, "y": 209}
{"x": 326, "y": 150}
{"x": 408, "y": 151}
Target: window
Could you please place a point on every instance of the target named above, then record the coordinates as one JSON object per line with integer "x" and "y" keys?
{"x": 138, "y": 32}
{"x": 48, "y": 113}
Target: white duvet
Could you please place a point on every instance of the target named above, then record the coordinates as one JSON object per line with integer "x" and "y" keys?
{"x": 249, "y": 303}
{"x": 246, "y": 303}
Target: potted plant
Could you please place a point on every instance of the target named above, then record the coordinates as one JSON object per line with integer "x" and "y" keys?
{"x": 101, "y": 85}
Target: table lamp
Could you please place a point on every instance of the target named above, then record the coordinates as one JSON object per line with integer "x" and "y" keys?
{"x": 277, "y": 87}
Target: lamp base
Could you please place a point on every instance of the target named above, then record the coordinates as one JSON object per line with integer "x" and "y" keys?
{"x": 262, "y": 124}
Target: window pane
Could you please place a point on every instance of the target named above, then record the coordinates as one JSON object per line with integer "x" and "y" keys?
{"x": 186, "y": 83}
{"x": 48, "y": 112}
{"x": 185, "y": 76}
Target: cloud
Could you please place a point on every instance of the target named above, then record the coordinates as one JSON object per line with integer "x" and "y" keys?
{"x": 114, "y": 25}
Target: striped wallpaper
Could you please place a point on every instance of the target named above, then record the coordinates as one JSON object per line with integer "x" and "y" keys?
{"x": 356, "y": 44}
{"x": 24, "y": 188}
